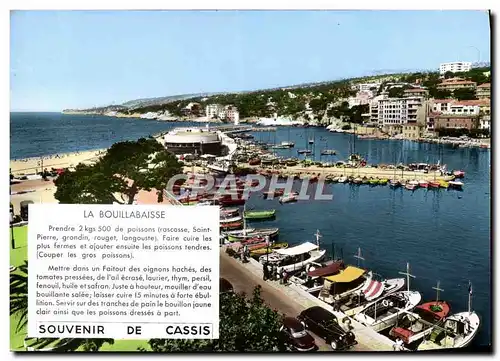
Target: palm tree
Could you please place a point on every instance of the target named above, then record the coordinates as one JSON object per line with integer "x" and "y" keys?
{"x": 19, "y": 308}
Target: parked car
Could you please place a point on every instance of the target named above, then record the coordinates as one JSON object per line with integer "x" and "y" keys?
{"x": 297, "y": 335}
{"x": 225, "y": 286}
{"x": 325, "y": 324}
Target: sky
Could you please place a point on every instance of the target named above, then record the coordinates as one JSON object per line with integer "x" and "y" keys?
{"x": 81, "y": 59}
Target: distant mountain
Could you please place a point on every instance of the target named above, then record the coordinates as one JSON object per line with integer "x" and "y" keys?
{"x": 139, "y": 103}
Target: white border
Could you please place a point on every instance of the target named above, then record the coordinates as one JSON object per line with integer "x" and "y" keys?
{"x": 197, "y": 4}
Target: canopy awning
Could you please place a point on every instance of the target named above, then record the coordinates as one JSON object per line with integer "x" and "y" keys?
{"x": 300, "y": 249}
{"x": 331, "y": 269}
{"x": 374, "y": 290}
{"x": 348, "y": 275}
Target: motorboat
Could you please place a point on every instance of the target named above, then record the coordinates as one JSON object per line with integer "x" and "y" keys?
{"x": 310, "y": 279}
{"x": 444, "y": 184}
{"x": 288, "y": 144}
{"x": 343, "y": 179}
{"x": 393, "y": 183}
{"x": 260, "y": 215}
{"x": 433, "y": 184}
{"x": 288, "y": 198}
{"x": 458, "y": 331}
{"x": 344, "y": 283}
{"x": 459, "y": 173}
{"x": 370, "y": 291}
{"x": 229, "y": 212}
{"x": 383, "y": 313}
{"x": 455, "y": 184}
{"x": 415, "y": 325}
{"x": 294, "y": 259}
{"x": 357, "y": 180}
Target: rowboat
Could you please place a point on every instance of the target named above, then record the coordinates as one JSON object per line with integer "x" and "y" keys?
{"x": 265, "y": 214}
{"x": 423, "y": 183}
{"x": 383, "y": 181}
{"x": 231, "y": 219}
{"x": 250, "y": 233}
{"x": 266, "y": 250}
{"x": 393, "y": 183}
{"x": 433, "y": 184}
{"x": 410, "y": 187}
{"x": 357, "y": 180}
{"x": 342, "y": 179}
{"x": 254, "y": 161}
{"x": 459, "y": 173}
{"x": 231, "y": 225}
{"x": 288, "y": 198}
{"x": 229, "y": 212}
{"x": 373, "y": 181}
{"x": 455, "y": 184}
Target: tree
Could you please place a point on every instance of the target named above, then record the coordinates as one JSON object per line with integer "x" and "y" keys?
{"x": 396, "y": 92}
{"x": 246, "y": 325}
{"x": 19, "y": 309}
{"x": 439, "y": 93}
{"x": 127, "y": 168}
{"x": 464, "y": 94}
{"x": 449, "y": 75}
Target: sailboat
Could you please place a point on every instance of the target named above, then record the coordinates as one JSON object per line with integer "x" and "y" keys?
{"x": 327, "y": 151}
{"x": 458, "y": 330}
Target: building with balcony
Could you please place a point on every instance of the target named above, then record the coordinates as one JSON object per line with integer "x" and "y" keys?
{"x": 456, "y": 83}
{"x": 415, "y": 92}
{"x": 232, "y": 114}
{"x": 455, "y": 67}
{"x": 213, "y": 110}
{"x": 483, "y": 91}
{"x": 392, "y": 111}
{"x": 368, "y": 86}
{"x": 452, "y": 121}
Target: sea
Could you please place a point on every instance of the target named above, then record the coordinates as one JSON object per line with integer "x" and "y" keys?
{"x": 445, "y": 235}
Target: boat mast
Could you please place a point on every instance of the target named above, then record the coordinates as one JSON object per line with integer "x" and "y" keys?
{"x": 437, "y": 290}
{"x": 408, "y": 275}
{"x": 470, "y": 297}
{"x": 358, "y": 256}
{"x": 318, "y": 236}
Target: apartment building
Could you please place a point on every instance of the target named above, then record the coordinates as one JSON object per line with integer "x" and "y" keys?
{"x": 456, "y": 83}
{"x": 455, "y": 67}
{"x": 483, "y": 91}
{"x": 361, "y": 98}
{"x": 415, "y": 92}
{"x": 412, "y": 131}
{"x": 455, "y": 107}
{"x": 392, "y": 111}
{"x": 368, "y": 86}
{"x": 214, "y": 111}
{"x": 232, "y": 114}
{"x": 451, "y": 121}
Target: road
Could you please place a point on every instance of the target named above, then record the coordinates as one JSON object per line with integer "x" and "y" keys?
{"x": 245, "y": 281}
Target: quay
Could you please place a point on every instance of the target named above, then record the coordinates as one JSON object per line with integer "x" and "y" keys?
{"x": 290, "y": 300}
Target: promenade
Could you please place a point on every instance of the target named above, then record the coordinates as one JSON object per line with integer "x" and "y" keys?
{"x": 290, "y": 301}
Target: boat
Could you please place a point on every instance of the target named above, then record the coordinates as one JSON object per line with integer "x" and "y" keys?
{"x": 458, "y": 331}
{"x": 423, "y": 183}
{"x": 229, "y": 212}
{"x": 291, "y": 162}
{"x": 275, "y": 193}
{"x": 328, "y": 152}
{"x": 383, "y": 181}
{"x": 309, "y": 280}
{"x": 288, "y": 144}
{"x": 393, "y": 183}
{"x": 264, "y": 214}
{"x": 459, "y": 173}
{"x": 374, "y": 181}
{"x": 415, "y": 325}
{"x": 254, "y": 161}
{"x": 383, "y": 313}
{"x": 231, "y": 219}
{"x": 455, "y": 184}
{"x": 343, "y": 179}
{"x": 443, "y": 184}
{"x": 288, "y": 198}
{"x": 311, "y": 140}
{"x": 248, "y": 233}
{"x": 347, "y": 281}
{"x": 433, "y": 184}
{"x": 410, "y": 187}
{"x": 371, "y": 291}
{"x": 335, "y": 179}
{"x": 357, "y": 180}
{"x": 365, "y": 180}
{"x": 304, "y": 151}
{"x": 231, "y": 225}
{"x": 294, "y": 259}
{"x": 270, "y": 249}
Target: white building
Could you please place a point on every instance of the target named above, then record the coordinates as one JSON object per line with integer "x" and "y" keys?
{"x": 455, "y": 67}
{"x": 368, "y": 86}
{"x": 399, "y": 111}
{"x": 214, "y": 110}
{"x": 455, "y": 107}
{"x": 232, "y": 114}
{"x": 361, "y": 98}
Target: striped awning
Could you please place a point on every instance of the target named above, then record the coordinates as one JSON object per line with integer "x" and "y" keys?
{"x": 374, "y": 290}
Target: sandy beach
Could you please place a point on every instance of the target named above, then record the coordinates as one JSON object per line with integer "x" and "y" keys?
{"x": 37, "y": 164}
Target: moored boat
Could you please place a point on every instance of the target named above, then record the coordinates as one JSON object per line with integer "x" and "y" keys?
{"x": 419, "y": 323}
{"x": 383, "y": 181}
{"x": 393, "y": 183}
{"x": 423, "y": 183}
{"x": 250, "y": 233}
{"x": 288, "y": 198}
{"x": 229, "y": 212}
{"x": 433, "y": 184}
{"x": 254, "y": 161}
{"x": 304, "y": 151}
{"x": 294, "y": 259}
{"x": 264, "y": 214}
{"x": 455, "y": 184}
{"x": 443, "y": 184}
{"x": 231, "y": 225}
{"x": 459, "y": 173}
{"x": 347, "y": 281}
{"x": 383, "y": 313}
{"x": 343, "y": 179}
{"x": 357, "y": 180}
{"x": 410, "y": 187}
{"x": 373, "y": 181}
{"x": 265, "y": 250}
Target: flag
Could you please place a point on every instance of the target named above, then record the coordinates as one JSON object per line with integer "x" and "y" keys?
{"x": 470, "y": 288}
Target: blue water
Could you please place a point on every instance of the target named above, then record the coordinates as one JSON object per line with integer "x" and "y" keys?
{"x": 444, "y": 234}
